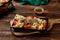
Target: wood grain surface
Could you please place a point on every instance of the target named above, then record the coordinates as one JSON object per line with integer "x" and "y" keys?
{"x": 52, "y": 11}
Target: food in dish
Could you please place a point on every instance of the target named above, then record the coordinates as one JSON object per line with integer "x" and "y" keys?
{"x": 29, "y": 22}
{"x": 3, "y": 1}
{"x": 5, "y": 5}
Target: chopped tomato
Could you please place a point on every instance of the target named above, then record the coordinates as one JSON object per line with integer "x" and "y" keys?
{"x": 15, "y": 22}
{"x": 27, "y": 26}
{"x": 44, "y": 24}
{"x": 31, "y": 16}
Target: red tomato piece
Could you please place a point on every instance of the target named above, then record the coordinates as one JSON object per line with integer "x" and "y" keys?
{"x": 27, "y": 26}
{"x": 31, "y": 16}
{"x": 15, "y": 22}
{"x": 44, "y": 24}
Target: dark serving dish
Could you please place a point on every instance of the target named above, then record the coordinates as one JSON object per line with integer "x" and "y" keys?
{"x": 6, "y": 6}
{"x": 29, "y": 30}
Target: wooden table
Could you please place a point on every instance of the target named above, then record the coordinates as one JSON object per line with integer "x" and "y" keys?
{"x": 52, "y": 11}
